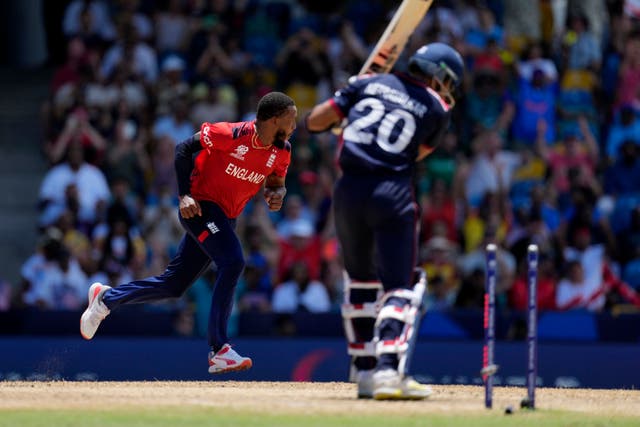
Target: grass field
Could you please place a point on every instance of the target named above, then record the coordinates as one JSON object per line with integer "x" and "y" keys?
{"x": 229, "y": 403}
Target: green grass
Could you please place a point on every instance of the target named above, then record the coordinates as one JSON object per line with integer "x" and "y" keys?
{"x": 215, "y": 417}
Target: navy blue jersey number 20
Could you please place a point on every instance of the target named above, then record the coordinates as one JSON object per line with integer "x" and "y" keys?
{"x": 355, "y": 131}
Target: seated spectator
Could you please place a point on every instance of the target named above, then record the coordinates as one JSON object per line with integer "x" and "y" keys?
{"x": 442, "y": 273}
{"x": 302, "y": 65}
{"x": 628, "y": 85}
{"x": 583, "y": 49}
{"x": 576, "y": 291}
{"x": 171, "y": 84}
{"x": 92, "y": 14}
{"x": 175, "y": 125}
{"x": 625, "y": 127}
{"x": 546, "y": 285}
{"x": 300, "y": 293}
{"x": 303, "y": 245}
{"x": 213, "y": 104}
{"x": 491, "y": 168}
{"x": 130, "y": 50}
{"x": 475, "y": 260}
{"x": 87, "y": 180}
{"x": 53, "y": 278}
{"x": 623, "y": 177}
{"x": 534, "y": 100}
{"x": 69, "y": 72}
{"x": 77, "y": 130}
{"x": 439, "y": 207}
{"x": 485, "y": 102}
{"x": 577, "y": 152}
{"x": 295, "y": 213}
{"x": 172, "y": 27}
{"x": 251, "y": 295}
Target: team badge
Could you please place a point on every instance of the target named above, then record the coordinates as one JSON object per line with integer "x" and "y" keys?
{"x": 241, "y": 150}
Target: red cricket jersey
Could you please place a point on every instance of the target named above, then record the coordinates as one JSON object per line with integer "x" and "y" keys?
{"x": 233, "y": 165}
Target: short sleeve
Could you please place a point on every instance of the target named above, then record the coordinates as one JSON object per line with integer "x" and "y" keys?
{"x": 214, "y": 136}
{"x": 347, "y": 96}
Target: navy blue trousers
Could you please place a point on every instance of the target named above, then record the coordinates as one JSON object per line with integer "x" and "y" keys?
{"x": 210, "y": 237}
{"x": 377, "y": 226}
{"x": 376, "y": 222}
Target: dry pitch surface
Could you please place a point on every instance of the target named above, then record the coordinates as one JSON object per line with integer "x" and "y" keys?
{"x": 299, "y": 398}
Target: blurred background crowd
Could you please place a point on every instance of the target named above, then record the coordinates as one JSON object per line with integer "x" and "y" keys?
{"x": 543, "y": 148}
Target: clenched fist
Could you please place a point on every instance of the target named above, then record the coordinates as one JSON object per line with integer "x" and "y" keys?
{"x": 274, "y": 196}
{"x": 189, "y": 207}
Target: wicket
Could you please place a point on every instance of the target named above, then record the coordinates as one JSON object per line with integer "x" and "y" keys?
{"x": 489, "y": 368}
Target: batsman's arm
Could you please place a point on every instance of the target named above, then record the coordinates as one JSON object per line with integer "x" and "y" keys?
{"x": 183, "y": 163}
{"x": 323, "y": 117}
{"x": 274, "y": 192}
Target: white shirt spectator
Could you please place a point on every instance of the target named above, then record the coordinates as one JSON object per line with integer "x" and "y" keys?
{"x": 58, "y": 289}
{"x": 169, "y": 126}
{"x": 145, "y": 62}
{"x": 91, "y": 184}
{"x": 101, "y": 23}
{"x": 592, "y": 260}
{"x": 484, "y": 177}
{"x": 287, "y": 298}
{"x": 585, "y": 293}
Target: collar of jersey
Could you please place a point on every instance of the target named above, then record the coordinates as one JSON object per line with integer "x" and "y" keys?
{"x": 254, "y": 140}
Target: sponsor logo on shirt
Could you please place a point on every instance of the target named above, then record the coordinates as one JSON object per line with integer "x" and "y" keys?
{"x": 272, "y": 158}
{"x": 241, "y": 150}
{"x": 213, "y": 228}
{"x": 205, "y": 137}
{"x": 244, "y": 174}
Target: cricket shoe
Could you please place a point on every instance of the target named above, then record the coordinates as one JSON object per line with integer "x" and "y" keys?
{"x": 388, "y": 384}
{"x": 227, "y": 360}
{"x": 364, "y": 379}
{"x": 96, "y": 311}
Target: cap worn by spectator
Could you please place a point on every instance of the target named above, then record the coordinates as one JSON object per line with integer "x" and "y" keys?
{"x": 173, "y": 63}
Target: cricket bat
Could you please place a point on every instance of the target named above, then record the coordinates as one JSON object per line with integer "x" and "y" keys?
{"x": 392, "y": 42}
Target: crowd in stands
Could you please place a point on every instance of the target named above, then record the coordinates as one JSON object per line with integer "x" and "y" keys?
{"x": 544, "y": 148}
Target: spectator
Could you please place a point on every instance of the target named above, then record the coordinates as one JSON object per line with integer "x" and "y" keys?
{"x": 442, "y": 273}
{"x": 302, "y": 245}
{"x": 533, "y": 101}
{"x": 87, "y": 181}
{"x": 171, "y": 84}
{"x": 77, "y": 130}
{"x": 576, "y": 291}
{"x": 300, "y": 293}
{"x": 625, "y": 127}
{"x": 137, "y": 55}
{"x": 175, "y": 125}
{"x": 576, "y": 154}
{"x": 295, "y": 213}
{"x": 54, "y": 279}
{"x": 302, "y": 65}
{"x": 88, "y": 15}
{"x": 583, "y": 49}
{"x": 623, "y": 177}
{"x": 546, "y": 285}
{"x": 172, "y": 28}
{"x": 252, "y": 297}
{"x": 491, "y": 168}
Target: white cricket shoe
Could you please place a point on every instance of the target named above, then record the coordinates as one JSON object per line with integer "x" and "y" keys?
{"x": 227, "y": 360}
{"x": 364, "y": 379}
{"x": 96, "y": 311}
{"x": 389, "y": 385}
